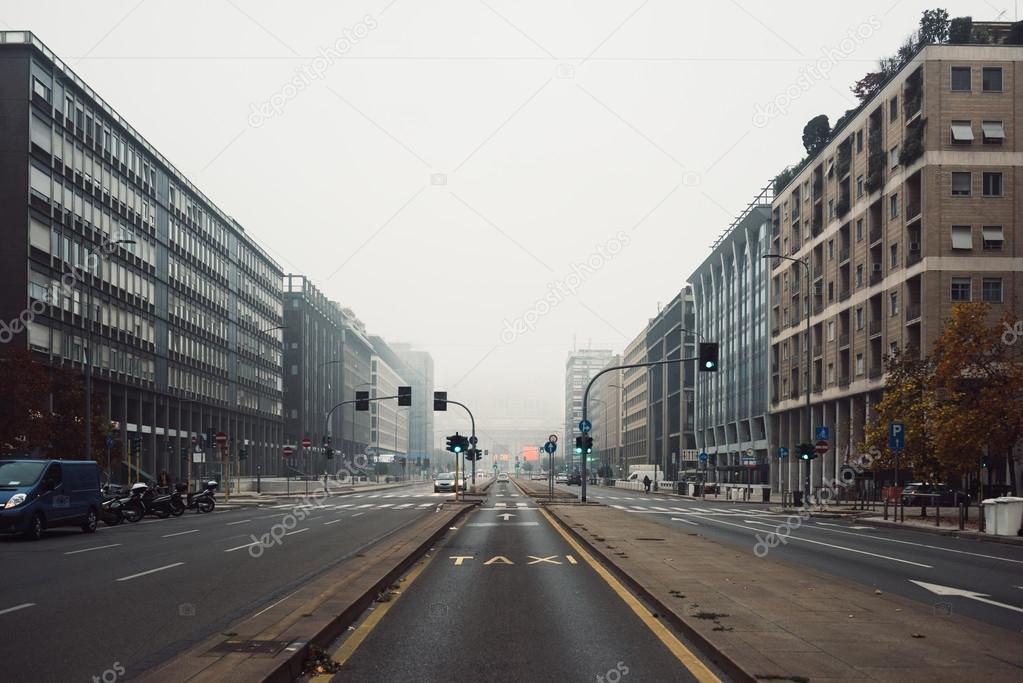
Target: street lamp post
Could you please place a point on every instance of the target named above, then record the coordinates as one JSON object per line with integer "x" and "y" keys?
{"x": 618, "y": 447}
{"x": 809, "y": 361}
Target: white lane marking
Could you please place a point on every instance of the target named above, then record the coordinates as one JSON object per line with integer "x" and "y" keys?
{"x": 240, "y": 521}
{"x": 151, "y": 571}
{"x": 500, "y": 505}
{"x": 384, "y": 505}
{"x": 267, "y": 609}
{"x": 679, "y": 519}
{"x": 17, "y": 607}
{"x": 342, "y": 507}
{"x": 920, "y": 545}
{"x": 367, "y": 505}
{"x": 752, "y": 521}
{"x": 296, "y": 531}
{"x": 828, "y": 545}
{"x": 504, "y": 524}
{"x": 619, "y": 507}
{"x": 959, "y": 592}
{"x": 521, "y": 505}
{"x": 356, "y": 514}
{"x": 231, "y": 550}
{"x": 376, "y": 496}
{"x": 423, "y": 505}
{"x": 333, "y": 521}
{"x": 654, "y": 507}
{"x": 637, "y": 507}
{"x": 402, "y": 506}
{"x": 181, "y": 533}
{"x": 89, "y": 550}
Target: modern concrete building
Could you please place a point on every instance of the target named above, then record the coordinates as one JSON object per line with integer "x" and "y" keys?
{"x": 389, "y": 421}
{"x": 174, "y": 312}
{"x": 671, "y": 444}
{"x": 356, "y": 434}
{"x": 909, "y": 209}
{"x": 417, "y": 368}
{"x": 634, "y": 412}
{"x": 730, "y": 289}
{"x": 606, "y": 408}
{"x": 580, "y": 368}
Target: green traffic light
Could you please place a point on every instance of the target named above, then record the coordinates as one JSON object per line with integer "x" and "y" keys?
{"x": 578, "y": 451}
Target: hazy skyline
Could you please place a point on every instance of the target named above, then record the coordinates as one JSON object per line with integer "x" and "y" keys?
{"x": 489, "y": 181}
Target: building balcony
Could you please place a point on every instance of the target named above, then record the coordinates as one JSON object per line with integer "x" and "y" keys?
{"x": 843, "y": 380}
{"x": 818, "y": 305}
{"x": 875, "y": 277}
{"x": 912, "y": 312}
{"x": 874, "y": 328}
{"x": 818, "y": 271}
{"x": 843, "y": 340}
{"x": 875, "y": 372}
{"x": 843, "y": 255}
{"x": 875, "y": 235}
{"x": 913, "y": 256}
{"x": 794, "y": 249}
{"x": 844, "y": 294}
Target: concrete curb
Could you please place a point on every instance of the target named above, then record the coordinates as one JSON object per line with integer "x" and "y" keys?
{"x": 938, "y": 531}
{"x": 706, "y": 647}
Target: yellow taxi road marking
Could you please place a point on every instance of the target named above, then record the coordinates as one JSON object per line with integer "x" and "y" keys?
{"x": 352, "y": 643}
{"x": 459, "y": 559}
{"x": 502, "y": 558}
{"x": 684, "y": 655}
{"x": 571, "y": 560}
{"x": 538, "y": 560}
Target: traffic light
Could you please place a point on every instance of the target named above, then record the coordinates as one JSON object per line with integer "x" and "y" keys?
{"x": 328, "y": 450}
{"x": 807, "y": 451}
{"x": 243, "y": 453}
{"x": 440, "y": 400}
{"x": 136, "y": 445}
{"x": 578, "y": 445}
{"x": 588, "y": 445}
{"x": 404, "y": 396}
{"x": 985, "y": 462}
{"x": 708, "y": 355}
{"x": 457, "y": 443}
{"x": 474, "y": 454}
{"x": 362, "y": 400}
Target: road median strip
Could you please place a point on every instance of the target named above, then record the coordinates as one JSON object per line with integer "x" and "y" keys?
{"x": 764, "y": 619}
{"x": 273, "y": 644}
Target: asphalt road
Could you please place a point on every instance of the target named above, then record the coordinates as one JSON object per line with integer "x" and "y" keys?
{"x": 506, "y": 598}
{"x": 74, "y": 605}
{"x": 879, "y": 557}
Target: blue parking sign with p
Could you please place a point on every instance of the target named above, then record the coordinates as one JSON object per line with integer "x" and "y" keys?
{"x": 897, "y": 436}
{"x": 821, "y": 433}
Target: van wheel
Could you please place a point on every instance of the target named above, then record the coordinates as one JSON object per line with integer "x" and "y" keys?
{"x": 36, "y": 526}
{"x": 91, "y": 521}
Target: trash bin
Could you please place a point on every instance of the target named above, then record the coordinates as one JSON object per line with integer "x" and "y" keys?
{"x": 990, "y": 506}
{"x": 1008, "y": 513}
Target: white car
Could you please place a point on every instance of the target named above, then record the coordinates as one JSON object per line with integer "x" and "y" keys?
{"x": 503, "y": 477}
{"x": 561, "y": 479}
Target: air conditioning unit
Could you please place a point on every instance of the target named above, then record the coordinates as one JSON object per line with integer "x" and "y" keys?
{"x": 914, "y": 246}
{"x": 876, "y": 268}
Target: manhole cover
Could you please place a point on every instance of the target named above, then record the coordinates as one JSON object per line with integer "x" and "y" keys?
{"x": 269, "y": 647}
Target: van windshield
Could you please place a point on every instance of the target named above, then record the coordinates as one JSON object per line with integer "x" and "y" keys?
{"x": 19, "y": 473}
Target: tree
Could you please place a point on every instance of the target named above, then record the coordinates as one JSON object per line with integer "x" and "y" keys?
{"x": 960, "y": 30}
{"x": 866, "y": 87}
{"x": 815, "y": 133}
{"x": 67, "y": 421}
{"x": 24, "y": 405}
{"x": 934, "y": 27}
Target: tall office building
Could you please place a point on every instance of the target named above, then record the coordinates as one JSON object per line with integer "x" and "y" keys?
{"x": 417, "y": 368}
{"x": 634, "y": 412}
{"x": 608, "y": 405}
{"x": 170, "y": 307}
{"x": 730, "y": 289}
{"x": 389, "y": 421}
{"x": 910, "y": 209}
{"x": 580, "y": 368}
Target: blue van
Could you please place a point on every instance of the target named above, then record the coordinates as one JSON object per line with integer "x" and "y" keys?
{"x": 36, "y": 495}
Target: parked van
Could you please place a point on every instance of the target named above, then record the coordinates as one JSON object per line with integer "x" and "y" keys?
{"x": 36, "y": 495}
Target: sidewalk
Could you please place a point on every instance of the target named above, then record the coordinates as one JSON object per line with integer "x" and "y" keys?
{"x": 762, "y": 619}
{"x": 298, "y": 491}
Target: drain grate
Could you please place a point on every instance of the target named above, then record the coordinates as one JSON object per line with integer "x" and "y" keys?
{"x": 268, "y": 647}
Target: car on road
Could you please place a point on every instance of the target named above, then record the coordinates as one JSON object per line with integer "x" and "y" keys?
{"x": 502, "y": 477}
{"x": 575, "y": 479}
{"x": 36, "y": 495}
{"x": 921, "y": 493}
{"x": 561, "y": 478}
{"x": 445, "y": 483}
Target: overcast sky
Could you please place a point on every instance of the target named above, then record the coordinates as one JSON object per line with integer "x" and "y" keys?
{"x": 444, "y": 167}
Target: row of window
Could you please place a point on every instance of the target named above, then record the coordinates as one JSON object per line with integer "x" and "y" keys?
{"x": 961, "y": 78}
{"x": 197, "y": 383}
{"x": 72, "y": 347}
{"x": 42, "y": 288}
{"x": 187, "y": 311}
{"x": 76, "y": 254}
{"x": 187, "y": 277}
{"x": 196, "y": 349}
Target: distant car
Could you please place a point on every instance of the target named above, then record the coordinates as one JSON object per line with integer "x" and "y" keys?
{"x": 919, "y": 493}
{"x": 575, "y": 479}
{"x": 561, "y": 479}
{"x": 445, "y": 483}
{"x": 502, "y": 477}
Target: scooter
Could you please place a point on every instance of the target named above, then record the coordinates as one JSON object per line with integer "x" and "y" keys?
{"x": 203, "y": 501}
{"x": 117, "y": 508}
{"x": 161, "y": 505}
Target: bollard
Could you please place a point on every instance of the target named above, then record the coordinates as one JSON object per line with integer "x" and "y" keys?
{"x": 885, "y": 508}
{"x": 937, "y": 512}
{"x": 962, "y": 520}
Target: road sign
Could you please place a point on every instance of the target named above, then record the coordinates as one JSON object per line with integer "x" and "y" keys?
{"x": 307, "y": 442}
{"x": 550, "y": 447}
{"x": 749, "y": 460}
{"x": 288, "y": 450}
{"x": 822, "y": 433}
{"x": 897, "y": 436}
{"x": 553, "y": 438}
{"x": 221, "y": 438}
{"x": 110, "y": 442}
{"x": 585, "y": 426}
{"x": 750, "y": 452}
{"x": 473, "y": 440}
{"x": 783, "y": 452}
{"x": 821, "y": 447}
{"x": 846, "y": 475}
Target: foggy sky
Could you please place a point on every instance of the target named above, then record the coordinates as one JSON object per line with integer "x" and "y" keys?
{"x": 558, "y": 129}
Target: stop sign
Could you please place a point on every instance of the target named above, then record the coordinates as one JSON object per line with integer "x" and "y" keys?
{"x": 821, "y": 447}
{"x": 288, "y": 450}
{"x": 307, "y": 442}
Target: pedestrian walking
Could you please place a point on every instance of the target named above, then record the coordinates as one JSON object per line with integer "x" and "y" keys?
{"x": 646, "y": 484}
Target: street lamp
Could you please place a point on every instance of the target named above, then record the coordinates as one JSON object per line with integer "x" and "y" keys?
{"x": 809, "y": 361}
{"x": 618, "y": 448}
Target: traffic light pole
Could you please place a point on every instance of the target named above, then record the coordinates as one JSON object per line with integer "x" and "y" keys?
{"x": 341, "y": 435}
{"x": 472, "y": 442}
{"x": 586, "y": 398}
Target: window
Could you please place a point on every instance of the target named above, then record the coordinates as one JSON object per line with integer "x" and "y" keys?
{"x": 893, "y": 303}
{"x": 991, "y": 290}
{"x": 993, "y": 131}
{"x": 831, "y": 373}
{"x": 962, "y": 132}
{"x": 831, "y": 291}
{"x": 961, "y": 78}
{"x": 992, "y": 78}
{"x": 39, "y": 180}
{"x": 961, "y": 182}
{"x": 993, "y": 237}
{"x": 831, "y": 209}
{"x": 893, "y": 156}
{"x": 859, "y": 318}
{"x": 41, "y": 89}
{"x": 859, "y": 364}
{"x": 40, "y": 133}
{"x": 859, "y": 275}
{"x": 893, "y": 203}
{"x": 962, "y": 237}
{"x": 893, "y": 256}
{"x": 859, "y": 230}
{"x": 831, "y": 330}
{"x": 961, "y": 288}
{"x": 859, "y": 186}
{"x": 893, "y": 108}
{"x": 831, "y": 250}
{"x": 893, "y": 349}
{"x": 859, "y": 140}
{"x": 992, "y": 184}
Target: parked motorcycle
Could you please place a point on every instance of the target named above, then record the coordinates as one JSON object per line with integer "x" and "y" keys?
{"x": 160, "y": 505}
{"x": 203, "y": 501}
{"x": 118, "y": 507}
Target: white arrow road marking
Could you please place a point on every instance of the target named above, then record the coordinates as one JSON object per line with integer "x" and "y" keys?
{"x": 87, "y": 550}
{"x": 240, "y": 521}
{"x": 17, "y": 607}
{"x": 961, "y": 593}
{"x": 151, "y": 571}
{"x": 506, "y": 516}
{"x": 679, "y": 519}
